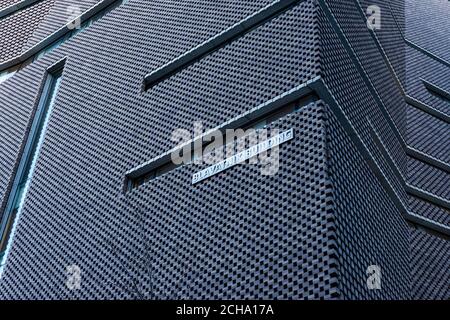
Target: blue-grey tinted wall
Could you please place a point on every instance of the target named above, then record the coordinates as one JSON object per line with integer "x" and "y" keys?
{"x": 341, "y": 201}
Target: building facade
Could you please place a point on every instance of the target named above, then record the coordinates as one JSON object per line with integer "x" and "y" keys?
{"x": 92, "y": 206}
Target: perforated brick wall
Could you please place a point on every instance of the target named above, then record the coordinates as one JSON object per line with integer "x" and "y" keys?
{"x": 17, "y": 28}
{"x": 117, "y": 127}
{"x": 429, "y": 18}
{"x": 430, "y": 211}
{"x": 370, "y": 230}
{"x": 358, "y": 104}
{"x": 309, "y": 232}
{"x": 424, "y": 132}
{"x": 430, "y": 265}
{"x": 7, "y": 3}
{"x": 57, "y": 17}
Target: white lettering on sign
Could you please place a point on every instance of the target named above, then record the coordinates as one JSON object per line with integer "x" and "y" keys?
{"x": 243, "y": 156}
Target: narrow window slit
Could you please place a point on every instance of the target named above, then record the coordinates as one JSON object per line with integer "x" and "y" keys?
{"x": 28, "y": 160}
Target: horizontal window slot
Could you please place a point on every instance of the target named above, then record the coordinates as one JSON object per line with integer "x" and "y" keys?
{"x": 428, "y": 159}
{"x": 155, "y": 173}
{"x": 216, "y": 42}
{"x": 427, "y": 196}
{"x": 164, "y": 164}
{"x": 5, "y": 12}
{"x": 58, "y": 38}
{"x": 437, "y": 91}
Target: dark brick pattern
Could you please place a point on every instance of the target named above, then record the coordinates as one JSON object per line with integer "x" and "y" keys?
{"x": 16, "y": 29}
{"x": 309, "y": 232}
{"x": 429, "y": 178}
{"x": 430, "y": 265}
{"x": 370, "y": 230}
{"x": 429, "y": 210}
{"x": 349, "y": 90}
{"x": 427, "y": 134}
{"x": 420, "y": 66}
{"x": 57, "y": 17}
{"x": 90, "y": 115}
{"x": 7, "y": 3}
{"x": 425, "y": 18}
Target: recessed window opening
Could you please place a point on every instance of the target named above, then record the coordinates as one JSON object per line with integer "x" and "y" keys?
{"x": 437, "y": 92}
{"x": 16, "y": 7}
{"x": 27, "y": 164}
{"x": 81, "y": 28}
{"x": 437, "y": 95}
{"x": 7, "y": 73}
{"x": 258, "y": 123}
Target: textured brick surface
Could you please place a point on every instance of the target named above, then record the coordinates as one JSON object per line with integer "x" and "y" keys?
{"x": 8, "y": 3}
{"x": 425, "y": 18}
{"x": 369, "y": 228}
{"x": 430, "y": 266}
{"x": 15, "y": 116}
{"x": 427, "y": 27}
{"x": 422, "y": 131}
{"x": 420, "y": 66}
{"x": 389, "y": 35}
{"x": 310, "y": 231}
{"x": 429, "y": 210}
{"x": 26, "y": 27}
{"x": 16, "y": 29}
{"x": 351, "y": 92}
{"x": 429, "y": 178}
{"x": 88, "y": 105}
{"x": 264, "y": 238}
{"x": 58, "y": 16}
{"x": 425, "y": 133}
{"x": 351, "y": 18}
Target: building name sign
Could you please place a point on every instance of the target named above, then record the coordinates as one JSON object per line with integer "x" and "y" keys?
{"x": 243, "y": 156}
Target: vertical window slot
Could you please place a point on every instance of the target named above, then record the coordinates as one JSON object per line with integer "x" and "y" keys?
{"x": 28, "y": 160}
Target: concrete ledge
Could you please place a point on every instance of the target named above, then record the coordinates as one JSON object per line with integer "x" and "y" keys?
{"x": 426, "y": 158}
